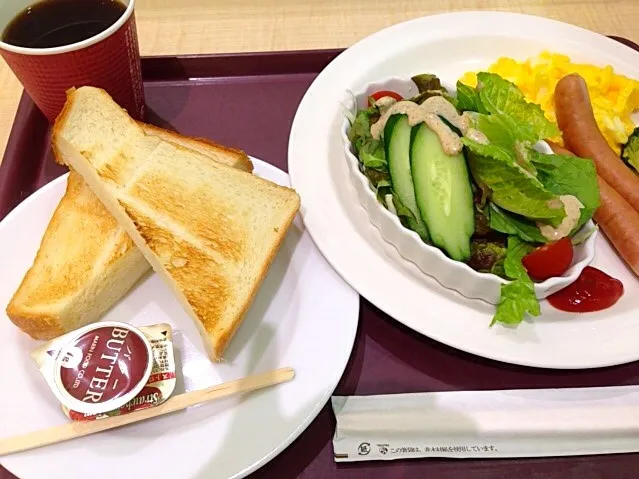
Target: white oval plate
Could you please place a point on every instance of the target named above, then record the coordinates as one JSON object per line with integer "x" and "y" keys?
{"x": 448, "y": 45}
{"x": 305, "y": 316}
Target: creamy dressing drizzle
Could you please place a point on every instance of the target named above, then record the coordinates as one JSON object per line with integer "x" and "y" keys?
{"x": 476, "y": 135}
{"x": 385, "y": 102}
{"x": 573, "y": 207}
{"x": 431, "y": 112}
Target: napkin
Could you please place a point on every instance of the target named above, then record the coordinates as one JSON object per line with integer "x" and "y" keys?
{"x": 487, "y": 424}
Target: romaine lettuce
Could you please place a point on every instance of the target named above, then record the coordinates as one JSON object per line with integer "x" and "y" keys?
{"x": 467, "y": 99}
{"x": 511, "y": 224}
{"x": 512, "y": 187}
{"x": 569, "y": 175}
{"x": 518, "y": 296}
{"x": 501, "y": 97}
{"x": 504, "y": 130}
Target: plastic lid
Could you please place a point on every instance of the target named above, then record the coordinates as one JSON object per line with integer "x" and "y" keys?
{"x": 102, "y": 367}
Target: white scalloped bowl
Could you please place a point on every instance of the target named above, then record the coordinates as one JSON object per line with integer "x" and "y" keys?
{"x": 432, "y": 261}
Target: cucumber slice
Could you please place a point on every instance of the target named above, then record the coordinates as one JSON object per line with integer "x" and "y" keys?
{"x": 397, "y": 133}
{"x": 443, "y": 193}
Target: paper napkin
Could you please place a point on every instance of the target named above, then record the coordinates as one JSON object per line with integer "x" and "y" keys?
{"x": 485, "y": 424}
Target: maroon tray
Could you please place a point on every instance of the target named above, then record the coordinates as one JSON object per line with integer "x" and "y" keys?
{"x": 248, "y": 101}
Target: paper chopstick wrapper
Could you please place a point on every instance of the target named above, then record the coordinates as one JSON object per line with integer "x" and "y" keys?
{"x": 487, "y": 424}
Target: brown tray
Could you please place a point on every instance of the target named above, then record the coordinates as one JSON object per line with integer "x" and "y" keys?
{"x": 249, "y": 101}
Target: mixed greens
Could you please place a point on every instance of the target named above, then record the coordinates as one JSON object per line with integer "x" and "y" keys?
{"x": 488, "y": 203}
{"x": 630, "y": 151}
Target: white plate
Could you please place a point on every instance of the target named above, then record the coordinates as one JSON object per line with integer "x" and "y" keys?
{"x": 448, "y": 45}
{"x": 305, "y": 316}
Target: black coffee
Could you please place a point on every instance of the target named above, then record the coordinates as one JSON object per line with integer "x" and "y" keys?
{"x": 54, "y": 23}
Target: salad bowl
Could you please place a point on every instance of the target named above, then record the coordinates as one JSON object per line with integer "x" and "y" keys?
{"x": 452, "y": 274}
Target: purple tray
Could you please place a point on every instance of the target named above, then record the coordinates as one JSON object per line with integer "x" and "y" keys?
{"x": 225, "y": 98}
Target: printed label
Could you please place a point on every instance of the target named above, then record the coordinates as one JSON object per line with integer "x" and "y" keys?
{"x": 375, "y": 450}
{"x": 103, "y": 364}
{"x": 160, "y": 384}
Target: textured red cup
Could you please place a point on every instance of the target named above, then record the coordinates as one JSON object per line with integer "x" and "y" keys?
{"x": 109, "y": 60}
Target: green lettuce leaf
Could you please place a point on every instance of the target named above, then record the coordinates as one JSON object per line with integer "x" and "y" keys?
{"x": 427, "y": 82}
{"x": 376, "y": 177}
{"x": 408, "y": 220}
{"x": 428, "y": 86}
{"x": 370, "y": 152}
{"x": 501, "y": 97}
{"x": 518, "y": 296}
{"x": 504, "y": 130}
{"x": 360, "y": 130}
{"x": 402, "y": 210}
{"x": 509, "y": 135}
{"x": 630, "y": 151}
{"x": 383, "y": 189}
{"x": 511, "y": 186}
{"x": 569, "y": 175}
{"x": 372, "y": 155}
{"x": 467, "y": 99}
{"x": 497, "y": 152}
{"x": 517, "y": 249}
{"x": 517, "y": 299}
{"x": 511, "y": 224}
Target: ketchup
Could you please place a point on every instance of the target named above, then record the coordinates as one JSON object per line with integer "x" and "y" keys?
{"x": 594, "y": 290}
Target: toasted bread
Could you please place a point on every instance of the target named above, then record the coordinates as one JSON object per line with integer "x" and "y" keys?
{"x": 209, "y": 230}
{"x": 86, "y": 262}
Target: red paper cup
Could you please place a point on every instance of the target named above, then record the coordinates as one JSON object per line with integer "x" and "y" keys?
{"x": 109, "y": 60}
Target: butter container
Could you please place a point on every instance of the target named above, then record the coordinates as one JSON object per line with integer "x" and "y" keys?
{"x": 109, "y": 368}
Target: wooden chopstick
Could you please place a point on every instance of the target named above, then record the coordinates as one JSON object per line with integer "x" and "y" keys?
{"x": 76, "y": 429}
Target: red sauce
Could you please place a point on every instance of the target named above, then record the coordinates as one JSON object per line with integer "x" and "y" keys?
{"x": 594, "y": 290}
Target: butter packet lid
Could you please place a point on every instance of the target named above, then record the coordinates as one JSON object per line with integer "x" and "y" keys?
{"x": 161, "y": 382}
{"x": 98, "y": 368}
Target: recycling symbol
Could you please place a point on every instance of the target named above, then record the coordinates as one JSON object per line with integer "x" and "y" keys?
{"x": 364, "y": 448}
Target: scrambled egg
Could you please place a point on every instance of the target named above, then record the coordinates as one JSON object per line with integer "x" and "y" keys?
{"x": 614, "y": 97}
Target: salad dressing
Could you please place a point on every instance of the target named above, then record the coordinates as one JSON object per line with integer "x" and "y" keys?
{"x": 385, "y": 102}
{"x": 431, "y": 112}
{"x": 476, "y": 135}
{"x": 573, "y": 207}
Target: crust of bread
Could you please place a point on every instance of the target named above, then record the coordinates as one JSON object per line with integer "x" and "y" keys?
{"x": 211, "y": 231}
{"x": 201, "y": 145}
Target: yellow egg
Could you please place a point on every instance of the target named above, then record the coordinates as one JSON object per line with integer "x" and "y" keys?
{"x": 614, "y": 97}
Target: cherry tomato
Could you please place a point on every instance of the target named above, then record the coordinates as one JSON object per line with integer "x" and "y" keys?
{"x": 549, "y": 260}
{"x": 382, "y": 93}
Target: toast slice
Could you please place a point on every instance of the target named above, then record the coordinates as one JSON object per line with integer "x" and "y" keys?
{"x": 86, "y": 262}
{"x": 209, "y": 230}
